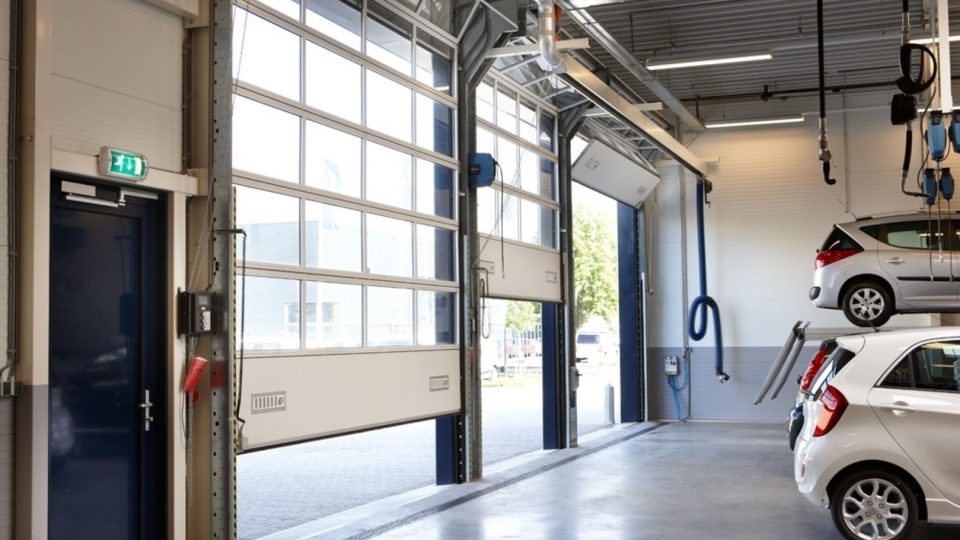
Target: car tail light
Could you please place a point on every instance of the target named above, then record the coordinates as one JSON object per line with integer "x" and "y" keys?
{"x": 831, "y": 256}
{"x": 813, "y": 368}
{"x": 834, "y": 404}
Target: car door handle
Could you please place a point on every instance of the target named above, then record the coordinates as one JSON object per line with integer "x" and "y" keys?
{"x": 900, "y": 408}
{"x": 895, "y": 260}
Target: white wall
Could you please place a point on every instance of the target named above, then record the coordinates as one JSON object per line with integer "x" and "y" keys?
{"x": 117, "y": 71}
{"x": 770, "y": 211}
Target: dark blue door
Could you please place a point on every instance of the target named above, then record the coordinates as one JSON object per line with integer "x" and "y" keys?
{"x": 106, "y": 364}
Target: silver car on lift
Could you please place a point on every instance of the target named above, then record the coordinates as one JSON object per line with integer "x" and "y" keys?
{"x": 875, "y": 267}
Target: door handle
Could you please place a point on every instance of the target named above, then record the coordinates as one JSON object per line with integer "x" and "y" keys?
{"x": 147, "y": 405}
{"x": 895, "y": 260}
{"x": 900, "y": 408}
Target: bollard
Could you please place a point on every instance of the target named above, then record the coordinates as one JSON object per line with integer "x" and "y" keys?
{"x": 608, "y": 404}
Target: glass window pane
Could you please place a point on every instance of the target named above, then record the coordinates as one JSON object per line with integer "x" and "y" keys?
{"x": 529, "y": 171}
{"x": 548, "y": 227}
{"x": 389, "y": 317}
{"x": 389, "y": 107}
{"x": 435, "y": 194}
{"x": 485, "y": 141}
{"x": 548, "y": 181}
{"x": 332, "y": 160}
{"x": 433, "y": 63}
{"x": 485, "y": 101}
{"x": 546, "y": 131}
{"x": 530, "y": 222}
{"x": 389, "y": 176}
{"x": 388, "y": 38}
{"x": 265, "y": 140}
{"x": 272, "y": 222}
{"x": 435, "y": 318}
{"x": 510, "y": 220}
{"x": 342, "y": 98}
{"x": 334, "y": 316}
{"x": 487, "y": 201}
{"x": 272, "y": 313}
{"x": 271, "y": 55}
{"x": 507, "y": 111}
{"x": 389, "y": 246}
{"x": 507, "y": 158}
{"x": 337, "y": 19}
{"x": 434, "y": 253}
{"x": 290, "y": 8}
{"x": 333, "y": 237}
{"x": 528, "y": 122}
{"x": 434, "y": 125}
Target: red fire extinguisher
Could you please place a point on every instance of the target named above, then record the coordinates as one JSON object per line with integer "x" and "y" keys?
{"x": 194, "y": 372}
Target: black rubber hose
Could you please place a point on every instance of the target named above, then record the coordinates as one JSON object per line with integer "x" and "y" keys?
{"x": 823, "y": 84}
{"x": 824, "y": 151}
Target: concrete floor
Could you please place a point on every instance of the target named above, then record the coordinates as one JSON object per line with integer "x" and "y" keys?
{"x": 689, "y": 481}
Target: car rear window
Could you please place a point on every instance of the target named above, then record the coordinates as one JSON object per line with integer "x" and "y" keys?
{"x": 588, "y": 339}
{"x": 839, "y": 240}
{"x": 835, "y": 363}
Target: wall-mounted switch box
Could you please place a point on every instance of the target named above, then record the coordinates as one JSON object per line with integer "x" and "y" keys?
{"x": 671, "y": 365}
{"x": 10, "y": 388}
{"x": 195, "y": 314}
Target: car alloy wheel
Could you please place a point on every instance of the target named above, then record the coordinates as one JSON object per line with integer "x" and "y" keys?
{"x": 874, "y": 505}
{"x": 867, "y": 304}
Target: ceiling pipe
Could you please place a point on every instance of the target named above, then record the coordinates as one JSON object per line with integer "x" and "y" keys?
{"x": 547, "y": 36}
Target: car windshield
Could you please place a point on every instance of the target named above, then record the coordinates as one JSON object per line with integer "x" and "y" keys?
{"x": 588, "y": 339}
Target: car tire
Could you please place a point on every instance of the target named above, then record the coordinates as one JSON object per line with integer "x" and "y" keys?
{"x": 857, "y": 499}
{"x": 868, "y": 303}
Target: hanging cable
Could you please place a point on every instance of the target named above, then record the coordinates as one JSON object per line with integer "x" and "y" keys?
{"x": 241, "y": 422}
{"x": 824, "y": 147}
{"x": 676, "y": 389}
{"x": 704, "y": 303}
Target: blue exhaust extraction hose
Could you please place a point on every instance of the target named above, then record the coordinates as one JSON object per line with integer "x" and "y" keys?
{"x": 704, "y": 303}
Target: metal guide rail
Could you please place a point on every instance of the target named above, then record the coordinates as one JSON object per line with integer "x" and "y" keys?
{"x": 787, "y": 358}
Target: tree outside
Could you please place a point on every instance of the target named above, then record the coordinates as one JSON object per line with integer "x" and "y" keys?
{"x": 523, "y": 316}
{"x": 595, "y": 266}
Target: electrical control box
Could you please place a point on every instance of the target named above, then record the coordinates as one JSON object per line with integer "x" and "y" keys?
{"x": 671, "y": 365}
{"x": 195, "y": 313}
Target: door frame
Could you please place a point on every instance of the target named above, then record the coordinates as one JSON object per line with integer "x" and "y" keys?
{"x": 32, "y": 414}
{"x": 152, "y": 458}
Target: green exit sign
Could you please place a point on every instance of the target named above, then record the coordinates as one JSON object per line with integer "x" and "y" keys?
{"x": 122, "y": 164}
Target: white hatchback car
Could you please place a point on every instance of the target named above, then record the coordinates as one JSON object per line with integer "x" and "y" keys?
{"x": 881, "y": 447}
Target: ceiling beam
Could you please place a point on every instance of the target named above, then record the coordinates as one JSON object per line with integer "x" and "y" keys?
{"x": 600, "y": 35}
{"x": 589, "y": 85}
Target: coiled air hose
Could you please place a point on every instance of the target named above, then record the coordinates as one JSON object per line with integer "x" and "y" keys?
{"x": 704, "y": 303}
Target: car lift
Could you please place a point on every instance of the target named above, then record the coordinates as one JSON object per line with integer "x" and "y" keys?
{"x": 796, "y": 340}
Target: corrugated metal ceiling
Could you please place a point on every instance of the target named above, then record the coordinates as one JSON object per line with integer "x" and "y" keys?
{"x": 862, "y": 37}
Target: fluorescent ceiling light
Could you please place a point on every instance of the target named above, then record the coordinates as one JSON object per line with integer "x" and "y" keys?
{"x": 710, "y": 61}
{"x": 761, "y": 122}
{"x": 591, "y": 3}
{"x": 930, "y": 41}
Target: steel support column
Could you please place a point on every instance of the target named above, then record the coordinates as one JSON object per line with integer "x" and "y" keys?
{"x": 553, "y": 370}
{"x": 222, "y": 420}
{"x": 460, "y": 437}
{"x": 569, "y": 123}
{"x": 629, "y": 247}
